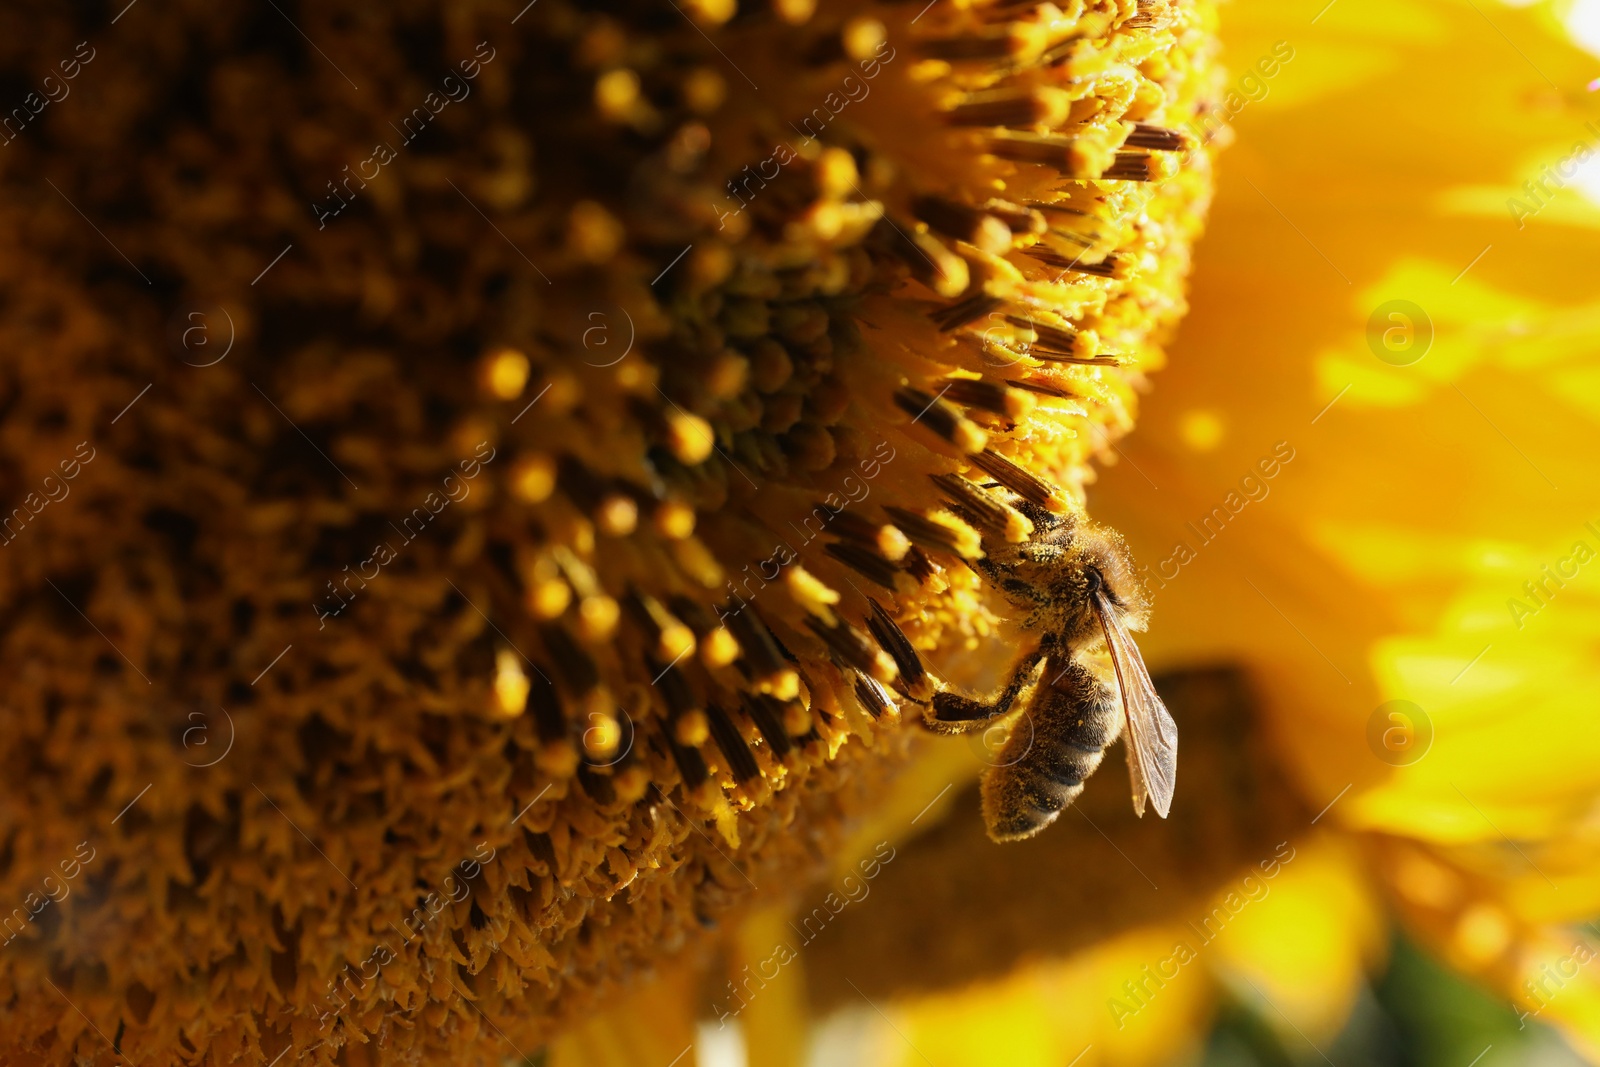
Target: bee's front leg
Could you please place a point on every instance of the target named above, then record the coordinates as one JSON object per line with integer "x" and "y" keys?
{"x": 952, "y": 713}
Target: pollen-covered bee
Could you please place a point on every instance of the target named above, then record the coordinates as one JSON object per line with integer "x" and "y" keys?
{"x": 1087, "y": 682}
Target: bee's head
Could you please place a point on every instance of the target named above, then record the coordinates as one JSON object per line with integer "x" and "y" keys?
{"x": 1106, "y": 564}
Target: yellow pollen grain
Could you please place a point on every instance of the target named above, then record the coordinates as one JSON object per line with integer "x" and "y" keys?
{"x": 823, "y": 222}
{"x": 709, "y": 265}
{"x": 1019, "y": 405}
{"x": 1018, "y": 526}
{"x": 597, "y": 617}
{"x": 892, "y": 543}
{"x": 783, "y": 684}
{"x": 558, "y": 759}
{"x": 533, "y": 479}
{"x": 836, "y": 174}
{"x": 719, "y": 648}
{"x": 601, "y": 739}
{"x": 1162, "y": 166}
{"x": 635, "y": 377}
{"x": 581, "y": 537}
{"x": 796, "y": 719}
{"x": 811, "y": 594}
{"x": 631, "y": 784}
{"x": 615, "y": 93}
{"x": 675, "y": 642}
{"x": 966, "y": 541}
{"x": 711, "y": 12}
{"x": 795, "y": 12}
{"x": 704, "y": 90}
{"x": 593, "y": 233}
{"x": 883, "y": 667}
{"x": 692, "y": 728}
{"x": 689, "y": 437}
{"x": 969, "y": 437}
{"x": 510, "y": 684}
{"x": 617, "y": 516}
{"x": 472, "y": 432}
{"x": 862, "y": 37}
{"x": 1087, "y": 344}
{"x": 673, "y": 520}
{"x": 505, "y": 373}
{"x": 562, "y": 396}
{"x": 547, "y": 599}
{"x": 698, "y": 562}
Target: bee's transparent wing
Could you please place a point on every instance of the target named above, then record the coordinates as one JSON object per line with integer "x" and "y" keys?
{"x": 1151, "y": 737}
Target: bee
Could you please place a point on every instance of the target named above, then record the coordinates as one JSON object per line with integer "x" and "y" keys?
{"x": 1084, "y": 679}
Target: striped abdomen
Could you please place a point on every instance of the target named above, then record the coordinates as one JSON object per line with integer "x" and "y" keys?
{"x": 1054, "y": 745}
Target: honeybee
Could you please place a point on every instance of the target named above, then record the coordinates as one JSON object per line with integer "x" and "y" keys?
{"x": 1086, "y": 681}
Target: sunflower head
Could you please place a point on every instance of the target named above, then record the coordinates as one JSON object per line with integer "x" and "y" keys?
{"x": 593, "y": 478}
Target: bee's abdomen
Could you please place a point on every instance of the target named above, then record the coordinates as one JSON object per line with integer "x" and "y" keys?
{"x": 1055, "y": 745}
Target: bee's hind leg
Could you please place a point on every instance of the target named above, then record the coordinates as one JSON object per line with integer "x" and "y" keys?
{"x": 952, "y": 713}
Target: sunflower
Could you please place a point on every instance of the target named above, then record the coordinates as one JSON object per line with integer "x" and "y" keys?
{"x": 1359, "y": 485}
{"x": 489, "y": 477}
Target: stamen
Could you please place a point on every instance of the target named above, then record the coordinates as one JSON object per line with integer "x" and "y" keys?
{"x": 939, "y": 531}
{"x": 990, "y": 396}
{"x": 1112, "y": 266}
{"x": 1157, "y": 138}
{"x": 915, "y": 678}
{"x": 760, "y": 649}
{"x": 1074, "y": 157}
{"x": 767, "y": 714}
{"x": 875, "y": 698}
{"x": 1056, "y": 338}
{"x": 921, "y": 566}
{"x": 1139, "y": 167}
{"x": 612, "y": 507}
{"x": 598, "y": 786}
{"x": 882, "y": 539}
{"x": 982, "y": 509}
{"x": 672, "y": 639}
{"x": 942, "y": 417}
{"x": 1019, "y": 218}
{"x": 556, "y": 755}
{"x": 572, "y": 665}
{"x": 868, "y": 564}
{"x": 741, "y": 761}
{"x": 850, "y": 645}
{"x": 691, "y": 764}
{"x": 964, "y": 223}
{"x": 957, "y": 315}
{"x": 1038, "y": 105}
{"x": 1044, "y": 388}
{"x": 929, "y": 261}
{"x": 1014, "y": 41}
{"x": 1024, "y": 483}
